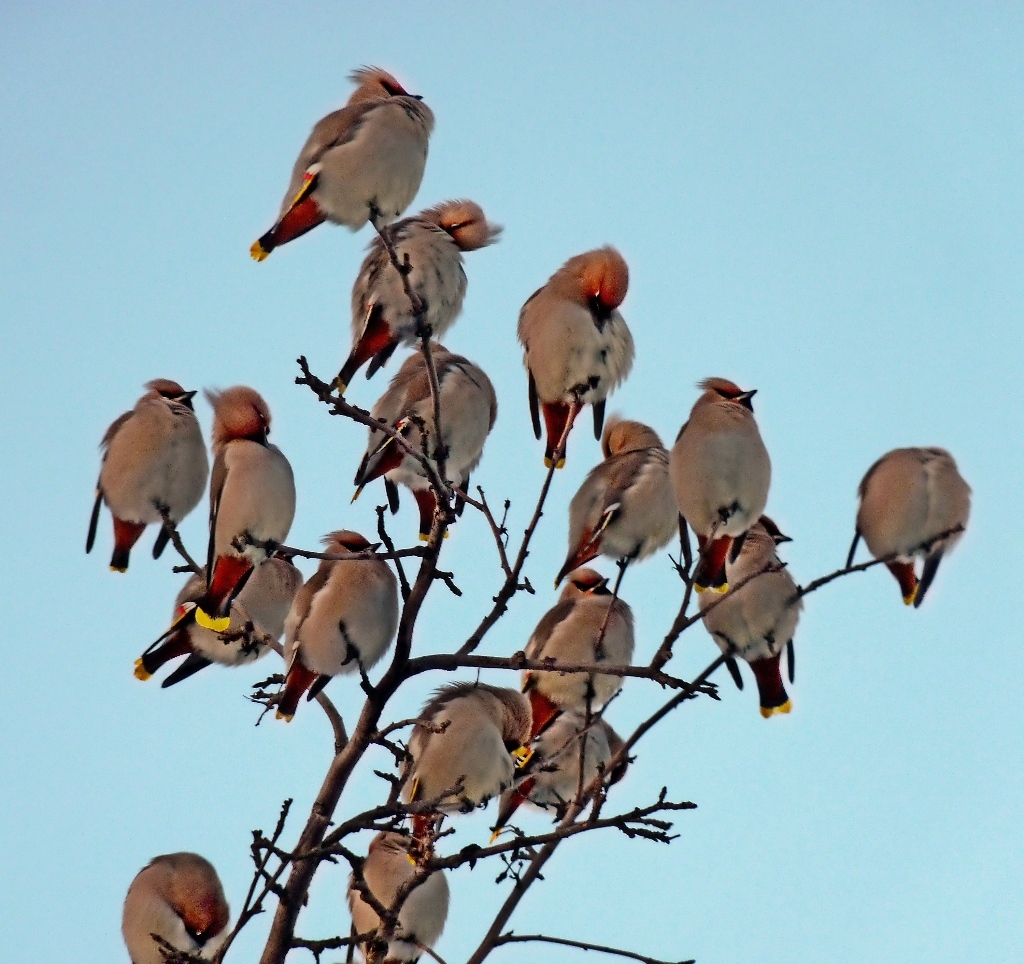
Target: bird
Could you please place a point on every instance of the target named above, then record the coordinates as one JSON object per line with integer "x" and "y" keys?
{"x": 265, "y": 600}
{"x": 468, "y": 408}
{"x": 758, "y": 619}
{"x": 431, "y": 243}
{"x": 576, "y": 346}
{"x": 570, "y": 632}
{"x": 154, "y": 461}
{"x": 390, "y": 864}
{"x": 179, "y": 898}
{"x": 362, "y": 162}
{"x": 721, "y": 473}
{"x": 252, "y": 495}
{"x": 625, "y": 508}
{"x": 552, "y": 778}
{"x": 342, "y": 621}
{"x": 466, "y": 748}
{"x": 910, "y": 499}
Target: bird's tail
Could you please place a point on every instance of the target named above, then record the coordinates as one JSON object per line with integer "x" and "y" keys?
{"x": 710, "y": 571}
{"x": 770, "y": 688}
{"x": 556, "y": 417}
{"x": 905, "y": 576}
{"x": 303, "y": 215}
{"x": 299, "y": 680}
{"x": 126, "y": 534}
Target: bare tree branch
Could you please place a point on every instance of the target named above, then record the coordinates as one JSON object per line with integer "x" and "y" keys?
{"x": 512, "y": 585}
{"x": 511, "y": 938}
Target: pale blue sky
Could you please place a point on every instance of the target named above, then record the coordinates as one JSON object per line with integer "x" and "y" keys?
{"x": 823, "y": 202}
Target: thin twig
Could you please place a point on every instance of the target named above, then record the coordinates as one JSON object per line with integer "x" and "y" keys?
{"x": 365, "y": 555}
{"x": 512, "y": 585}
{"x": 382, "y": 531}
{"x": 511, "y": 938}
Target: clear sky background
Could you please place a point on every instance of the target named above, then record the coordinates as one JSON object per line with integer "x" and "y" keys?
{"x": 823, "y": 202}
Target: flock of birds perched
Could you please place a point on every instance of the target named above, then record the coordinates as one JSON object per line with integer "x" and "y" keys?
{"x": 475, "y": 741}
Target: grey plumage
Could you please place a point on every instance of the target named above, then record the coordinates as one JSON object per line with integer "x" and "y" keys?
{"x": 908, "y": 498}
{"x": 625, "y": 508}
{"x": 178, "y": 897}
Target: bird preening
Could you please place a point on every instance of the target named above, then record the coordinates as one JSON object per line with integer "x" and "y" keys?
{"x": 549, "y": 745}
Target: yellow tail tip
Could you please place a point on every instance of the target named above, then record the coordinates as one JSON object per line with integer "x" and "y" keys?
{"x": 494, "y": 837}
{"x": 425, "y": 538}
{"x": 767, "y": 711}
{"x": 141, "y": 671}
{"x": 722, "y": 589}
{"x": 560, "y": 464}
{"x": 258, "y": 252}
{"x": 359, "y": 492}
{"x": 118, "y": 568}
{"x": 521, "y": 756}
{"x": 215, "y": 624}
{"x": 287, "y": 717}
{"x": 340, "y": 385}
{"x": 910, "y": 599}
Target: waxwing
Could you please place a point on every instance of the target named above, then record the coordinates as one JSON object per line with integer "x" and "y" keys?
{"x": 552, "y": 777}
{"x": 757, "y": 620}
{"x": 252, "y": 494}
{"x": 908, "y": 498}
{"x": 485, "y": 737}
{"x": 342, "y": 621}
{"x": 576, "y": 344}
{"x": 265, "y": 600}
{"x": 625, "y": 508}
{"x": 431, "y": 243}
{"x": 721, "y": 473}
{"x": 468, "y": 407}
{"x": 153, "y": 458}
{"x": 177, "y": 897}
{"x": 570, "y": 632}
{"x": 390, "y": 865}
{"x": 362, "y": 162}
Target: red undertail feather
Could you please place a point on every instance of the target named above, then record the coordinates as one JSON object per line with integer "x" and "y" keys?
{"x": 126, "y": 534}
{"x": 427, "y": 502}
{"x": 518, "y": 797}
{"x": 228, "y": 572}
{"x": 303, "y": 217}
{"x": 176, "y": 645}
{"x": 422, "y": 825}
{"x": 710, "y": 572}
{"x": 770, "y": 688}
{"x": 299, "y": 680}
{"x": 544, "y": 711}
{"x": 376, "y": 338}
{"x": 556, "y": 417}
{"x": 589, "y": 548}
{"x": 906, "y": 577}
{"x": 390, "y": 458}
